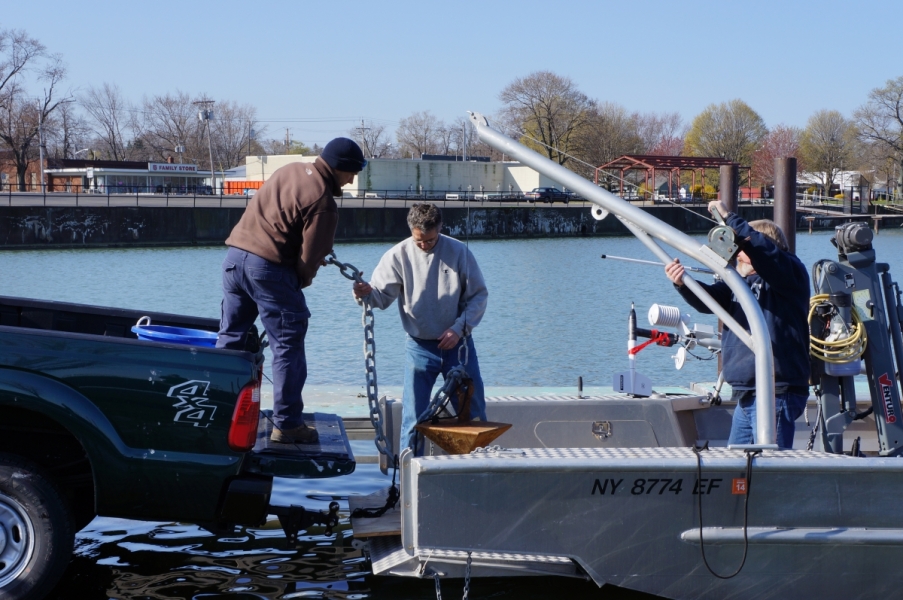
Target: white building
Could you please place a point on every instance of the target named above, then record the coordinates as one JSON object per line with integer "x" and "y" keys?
{"x": 422, "y": 177}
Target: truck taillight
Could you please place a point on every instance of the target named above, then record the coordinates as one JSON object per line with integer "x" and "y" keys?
{"x": 243, "y": 432}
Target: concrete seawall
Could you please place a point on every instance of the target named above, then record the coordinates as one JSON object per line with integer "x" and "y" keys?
{"x": 78, "y": 227}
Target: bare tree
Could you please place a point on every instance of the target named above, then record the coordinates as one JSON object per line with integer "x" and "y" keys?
{"x": 170, "y": 120}
{"x": 418, "y": 134}
{"x": 662, "y": 134}
{"x": 274, "y": 146}
{"x": 23, "y": 115}
{"x": 17, "y": 53}
{"x": 782, "y": 141}
{"x": 231, "y": 131}
{"x": 827, "y": 143}
{"x": 448, "y": 139}
{"x": 880, "y": 123}
{"x": 71, "y": 133}
{"x": 730, "y": 130}
{"x": 111, "y": 116}
{"x": 610, "y": 132}
{"x": 372, "y": 138}
{"x": 548, "y": 112}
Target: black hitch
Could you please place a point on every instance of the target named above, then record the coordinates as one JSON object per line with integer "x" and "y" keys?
{"x": 297, "y": 518}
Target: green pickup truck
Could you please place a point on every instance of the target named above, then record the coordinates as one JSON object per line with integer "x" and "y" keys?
{"x": 97, "y": 422}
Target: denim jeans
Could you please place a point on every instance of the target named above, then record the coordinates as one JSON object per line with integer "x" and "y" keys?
{"x": 788, "y": 408}
{"x": 254, "y": 286}
{"x": 424, "y": 361}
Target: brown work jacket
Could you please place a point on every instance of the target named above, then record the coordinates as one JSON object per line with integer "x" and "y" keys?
{"x": 292, "y": 218}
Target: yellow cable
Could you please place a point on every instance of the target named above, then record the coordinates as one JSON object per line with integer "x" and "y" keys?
{"x": 841, "y": 351}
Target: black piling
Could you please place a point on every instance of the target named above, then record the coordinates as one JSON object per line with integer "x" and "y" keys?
{"x": 728, "y": 185}
{"x": 785, "y": 198}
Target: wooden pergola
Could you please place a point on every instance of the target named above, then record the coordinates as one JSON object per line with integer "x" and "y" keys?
{"x": 673, "y": 165}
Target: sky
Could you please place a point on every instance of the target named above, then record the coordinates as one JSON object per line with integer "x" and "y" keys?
{"x": 318, "y": 68}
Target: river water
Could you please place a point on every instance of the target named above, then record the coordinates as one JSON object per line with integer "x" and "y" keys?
{"x": 557, "y": 312}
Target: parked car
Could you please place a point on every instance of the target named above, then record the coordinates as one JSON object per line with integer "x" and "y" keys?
{"x": 546, "y": 194}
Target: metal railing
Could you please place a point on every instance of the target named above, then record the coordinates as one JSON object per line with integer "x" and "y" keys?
{"x": 120, "y": 195}
{"x": 206, "y": 197}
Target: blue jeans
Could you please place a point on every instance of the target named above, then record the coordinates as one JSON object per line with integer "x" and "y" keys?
{"x": 424, "y": 361}
{"x": 788, "y": 407}
{"x": 254, "y": 286}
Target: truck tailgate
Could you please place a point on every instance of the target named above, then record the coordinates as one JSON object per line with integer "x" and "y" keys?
{"x": 330, "y": 457}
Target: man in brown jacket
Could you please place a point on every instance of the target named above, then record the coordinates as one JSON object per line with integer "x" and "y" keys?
{"x": 275, "y": 250}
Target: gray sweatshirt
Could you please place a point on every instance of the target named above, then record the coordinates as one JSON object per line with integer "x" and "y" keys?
{"x": 436, "y": 290}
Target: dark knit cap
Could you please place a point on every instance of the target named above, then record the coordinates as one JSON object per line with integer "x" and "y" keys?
{"x": 343, "y": 154}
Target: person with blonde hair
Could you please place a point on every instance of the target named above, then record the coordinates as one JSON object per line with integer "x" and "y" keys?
{"x": 780, "y": 283}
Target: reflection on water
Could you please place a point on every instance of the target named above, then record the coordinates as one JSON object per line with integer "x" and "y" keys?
{"x": 135, "y": 560}
{"x": 164, "y": 561}
{"x": 117, "y": 558}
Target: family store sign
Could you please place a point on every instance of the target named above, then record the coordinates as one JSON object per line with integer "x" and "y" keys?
{"x": 171, "y": 168}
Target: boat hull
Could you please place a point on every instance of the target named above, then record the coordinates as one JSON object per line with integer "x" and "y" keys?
{"x": 818, "y": 523}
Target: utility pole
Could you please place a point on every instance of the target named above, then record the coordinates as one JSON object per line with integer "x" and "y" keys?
{"x": 287, "y": 140}
{"x": 206, "y": 114}
{"x": 464, "y": 140}
{"x": 41, "y": 142}
{"x": 362, "y": 129}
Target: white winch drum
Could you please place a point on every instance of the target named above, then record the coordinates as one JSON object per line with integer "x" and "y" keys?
{"x": 664, "y": 316}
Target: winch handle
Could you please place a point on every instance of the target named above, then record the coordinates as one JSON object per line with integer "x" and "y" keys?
{"x": 714, "y": 212}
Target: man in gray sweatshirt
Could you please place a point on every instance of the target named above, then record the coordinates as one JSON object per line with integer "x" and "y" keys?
{"x": 441, "y": 297}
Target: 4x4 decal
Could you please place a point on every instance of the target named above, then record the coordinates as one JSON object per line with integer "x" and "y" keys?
{"x": 193, "y": 403}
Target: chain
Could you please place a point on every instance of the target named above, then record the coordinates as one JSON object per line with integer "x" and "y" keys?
{"x": 441, "y": 398}
{"x": 466, "y": 581}
{"x": 463, "y": 351}
{"x": 467, "y": 578}
{"x": 376, "y": 419}
{"x": 438, "y": 586}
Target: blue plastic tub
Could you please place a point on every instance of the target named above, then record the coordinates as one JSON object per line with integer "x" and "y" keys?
{"x": 175, "y": 335}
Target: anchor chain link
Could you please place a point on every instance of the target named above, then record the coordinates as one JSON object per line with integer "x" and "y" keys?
{"x": 367, "y": 320}
{"x": 467, "y": 578}
{"x": 441, "y": 398}
{"x": 438, "y": 586}
{"x": 466, "y": 594}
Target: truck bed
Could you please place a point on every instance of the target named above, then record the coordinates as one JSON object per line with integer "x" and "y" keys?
{"x": 48, "y": 315}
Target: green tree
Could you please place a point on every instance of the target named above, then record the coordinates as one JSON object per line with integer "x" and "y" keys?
{"x": 879, "y": 123}
{"x": 730, "y": 130}
{"x": 548, "y": 112}
{"x": 827, "y": 144}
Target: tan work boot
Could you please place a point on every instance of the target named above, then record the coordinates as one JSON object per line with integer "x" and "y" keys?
{"x": 302, "y": 434}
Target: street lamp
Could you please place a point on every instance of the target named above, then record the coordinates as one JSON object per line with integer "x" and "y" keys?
{"x": 205, "y": 114}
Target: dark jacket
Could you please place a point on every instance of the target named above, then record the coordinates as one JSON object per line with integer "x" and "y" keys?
{"x": 291, "y": 220}
{"x": 781, "y": 285}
